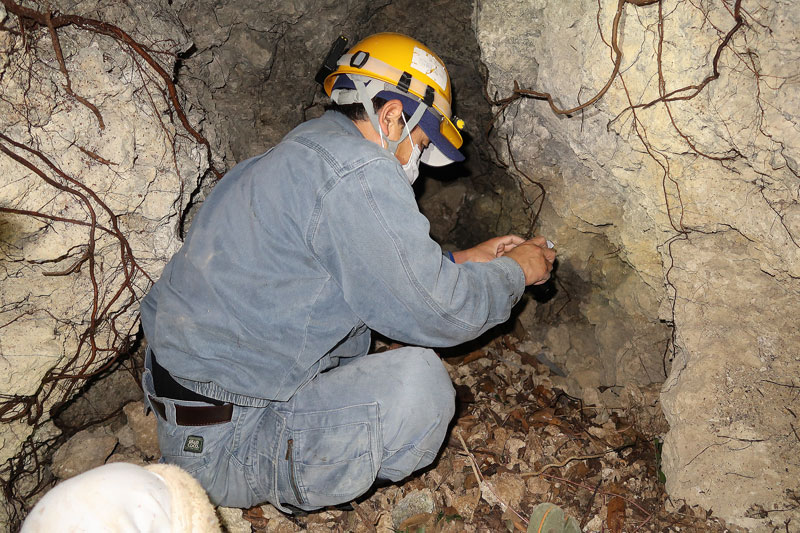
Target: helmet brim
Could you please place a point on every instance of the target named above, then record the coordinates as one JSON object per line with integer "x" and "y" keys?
{"x": 434, "y": 157}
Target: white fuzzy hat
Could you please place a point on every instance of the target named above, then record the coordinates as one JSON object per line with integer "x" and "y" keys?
{"x": 125, "y": 498}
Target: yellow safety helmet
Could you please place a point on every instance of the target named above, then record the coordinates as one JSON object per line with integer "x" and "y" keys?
{"x": 393, "y": 65}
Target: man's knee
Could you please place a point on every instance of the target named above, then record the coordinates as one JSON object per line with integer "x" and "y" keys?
{"x": 428, "y": 388}
{"x": 416, "y": 422}
{"x": 421, "y": 404}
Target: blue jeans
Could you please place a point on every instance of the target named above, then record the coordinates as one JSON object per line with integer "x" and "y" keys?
{"x": 379, "y": 415}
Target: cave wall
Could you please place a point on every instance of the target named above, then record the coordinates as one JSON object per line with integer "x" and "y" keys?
{"x": 679, "y": 212}
{"x": 252, "y": 64}
{"x": 677, "y": 234}
{"x": 90, "y": 203}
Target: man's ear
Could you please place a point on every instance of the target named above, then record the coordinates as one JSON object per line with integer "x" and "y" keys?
{"x": 390, "y": 114}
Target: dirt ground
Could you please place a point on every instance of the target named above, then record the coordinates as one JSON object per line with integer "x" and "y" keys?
{"x": 516, "y": 442}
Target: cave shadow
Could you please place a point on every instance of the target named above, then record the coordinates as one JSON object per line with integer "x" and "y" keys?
{"x": 548, "y": 290}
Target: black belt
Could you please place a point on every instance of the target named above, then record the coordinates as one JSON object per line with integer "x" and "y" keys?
{"x": 186, "y": 415}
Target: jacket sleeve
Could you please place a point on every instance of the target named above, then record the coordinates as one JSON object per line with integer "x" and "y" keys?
{"x": 369, "y": 235}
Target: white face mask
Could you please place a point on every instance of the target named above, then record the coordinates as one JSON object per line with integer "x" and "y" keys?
{"x": 412, "y": 167}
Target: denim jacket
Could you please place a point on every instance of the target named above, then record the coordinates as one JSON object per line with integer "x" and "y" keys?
{"x": 296, "y": 255}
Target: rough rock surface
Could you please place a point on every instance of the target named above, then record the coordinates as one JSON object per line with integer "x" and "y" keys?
{"x": 144, "y": 429}
{"x": 89, "y": 201}
{"x": 682, "y": 213}
{"x": 414, "y": 503}
{"x": 86, "y": 450}
{"x": 252, "y": 65}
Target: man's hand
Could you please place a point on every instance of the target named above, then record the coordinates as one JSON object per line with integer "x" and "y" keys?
{"x": 535, "y": 258}
{"x": 488, "y": 250}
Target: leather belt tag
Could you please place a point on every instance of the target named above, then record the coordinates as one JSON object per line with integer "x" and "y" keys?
{"x": 193, "y": 444}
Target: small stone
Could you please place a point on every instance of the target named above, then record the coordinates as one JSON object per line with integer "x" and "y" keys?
{"x": 125, "y": 436}
{"x": 595, "y": 524}
{"x": 513, "y": 447}
{"x": 232, "y": 520}
{"x": 414, "y": 503}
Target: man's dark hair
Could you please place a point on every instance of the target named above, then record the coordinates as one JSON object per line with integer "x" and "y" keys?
{"x": 356, "y": 111}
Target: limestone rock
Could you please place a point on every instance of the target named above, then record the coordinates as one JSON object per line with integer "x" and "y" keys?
{"x": 232, "y": 521}
{"x": 682, "y": 214}
{"x": 127, "y": 457}
{"x": 89, "y": 210}
{"x": 145, "y": 429}
{"x": 644, "y": 407}
{"x": 253, "y": 65}
{"x": 537, "y": 485}
{"x": 467, "y": 502}
{"x": 85, "y": 450}
{"x": 125, "y": 437}
{"x": 733, "y": 383}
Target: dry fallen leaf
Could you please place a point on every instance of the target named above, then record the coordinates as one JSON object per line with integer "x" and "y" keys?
{"x": 616, "y": 514}
{"x": 472, "y": 356}
{"x": 545, "y": 416}
{"x": 255, "y": 515}
{"x": 519, "y": 414}
{"x": 577, "y": 471}
{"x": 416, "y": 520}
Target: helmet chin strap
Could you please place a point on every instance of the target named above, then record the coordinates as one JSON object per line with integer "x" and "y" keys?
{"x": 365, "y": 93}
